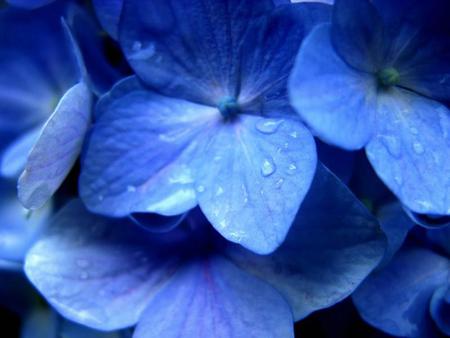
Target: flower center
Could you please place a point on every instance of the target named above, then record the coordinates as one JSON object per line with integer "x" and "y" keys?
{"x": 388, "y": 77}
{"x": 228, "y": 107}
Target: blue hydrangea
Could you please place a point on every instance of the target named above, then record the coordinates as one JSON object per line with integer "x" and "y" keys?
{"x": 378, "y": 77}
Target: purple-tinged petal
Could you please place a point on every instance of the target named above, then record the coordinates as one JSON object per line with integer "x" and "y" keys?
{"x": 97, "y": 271}
{"x": 212, "y": 297}
{"x": 57, "y": 148}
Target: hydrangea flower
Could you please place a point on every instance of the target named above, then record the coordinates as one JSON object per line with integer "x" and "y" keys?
{"x": 40, "y": 74}
{"x": 107, "y": 273}
{"x": 410, "y": 296}
{"x": 206, "y": 120}
{"x": 375, "y": 78}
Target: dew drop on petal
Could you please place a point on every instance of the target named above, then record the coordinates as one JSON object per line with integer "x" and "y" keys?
{"x": 219, "y": 191}
{"x": 392, "y": 144}
{"x": 268, "y": 126}
{"x": 292, "y": 168}
{"x": 200, "y": 188}
{"x": 267, "y": 167}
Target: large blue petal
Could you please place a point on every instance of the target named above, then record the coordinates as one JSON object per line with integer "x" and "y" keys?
{"x": 97, "y": 271}
{"x": 57, "y": 148}
{"x": 337, "y": 102}
{"x": 14, "y": 157}
{"x": 214, "y": 298}
{"x": 19, "y": 229}
{"x": 244, "y": 174}
{"x": 108, "y": 13}
{"x": 357, "y": 34}
{"x": 265, "y": 68}
{"x": 189, "y": 48}
{"x": 410, "y": 150}
{"x": 332, "y": 246}
{"x": 138, "y": 156}
{"x": 440, "y": 308}
{"x": 396, "y": 298}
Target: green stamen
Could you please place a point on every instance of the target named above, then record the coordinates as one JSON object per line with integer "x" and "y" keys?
{"x": 228, "y": 107}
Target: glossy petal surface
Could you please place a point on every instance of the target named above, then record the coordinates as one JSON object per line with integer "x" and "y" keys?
{"x": 244, "y": 174}
{"x": 337, "y": 102}
{"x": 57, "y": 148}
{"x": 332, "y": 246}
{"x": 105, "y": 271}
{"x": 395, "y": 299}
{"x": 139, "y": 153}
{"x": 412, "y": 145}
{"x": 212, "y": 297}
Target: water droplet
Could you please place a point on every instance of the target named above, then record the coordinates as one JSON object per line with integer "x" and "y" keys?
{"x": 398, "y": 179}
{"x": 217, "y": 158}
{"x": 223, "y": 224}
{"x": 279, "y": 183}
{"x": 84, "y": 275}
{"x": 413, "y": 131}
{"x": 267, "y": 167}
{"x": 200, "y": 188}
{"x": 418, "y": 148}
{"x": 294, "y": 134}
{"x": 82, "y": 263}
{"x": 219, "y": 191}
{"x": 141, "y": 53}
{"x": 286, "y": 145}
{"x": 131, "y": 188}
{"x": 268, "y": 126}
{"x": 444, "y": 122}
{"x": 137, "y": 46}
{"x": 292, "y": 168}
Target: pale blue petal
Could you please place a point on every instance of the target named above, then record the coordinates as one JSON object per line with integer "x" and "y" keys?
{"x": 337, "y": 102}
{"x": 244, "y": 173}
{"x": 411, "y": 148}
{"x": 97, "y": 271}
{"x": 57, "y": 148}
{"x": 332, "y": 246}
{"x": 214, "y": 298}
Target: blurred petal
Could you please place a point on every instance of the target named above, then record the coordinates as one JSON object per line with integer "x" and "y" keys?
{"x": 105, "y": 271}
{"x": 29, "y": 4}
{"x": 19, "y": 228}
{"x": 188, "y": 48}
{"x": 440, "y": 308}
{"x": 57, "y": 148}
{"x": 396, "y": 298}
{"x": 14, "y": 158}
{"x": 244, "y": 173}
{"x": 40, "y": 322}
{"x": 337, "y": 102}
{"x": 410, "y": 151}
{"x": 108, "y": 13}
{"x": 212, "y": 297}
{"x": 157, "y": 223}
{"x": 139, "y": 153}
{"x": 332, "y": 246}
{"x": 71, "y": 330}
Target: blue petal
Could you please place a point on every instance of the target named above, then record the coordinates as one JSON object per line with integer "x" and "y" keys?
{"x": 157, "y": 223}
{"x": 332, "y": 246}
{"x": 396, "y": 225}
{"x": 139, "y": 154}
{"x": 19, "y": 229}
{"x": 244, "y": 173}
{"x": 410, "y": 150}
{"x": 440, "y": 308}
{"x": 396, "y": 298}
{"x": 337, "y": 102}
{"x": 29, "y": 4}
{"x": 189, "y": 48}
{"x": 213, "y": 297}
{"x": 429, "y": 221}
{"x": 14, "y": 158}
{"x": 71, "y": 330}
{"x": 108, "y": 13}
{"x": 265, "y": 68}
{"x": 57, "y": 148}
{"x": 104, "y": 271}
{"x": 357, "y": 34}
